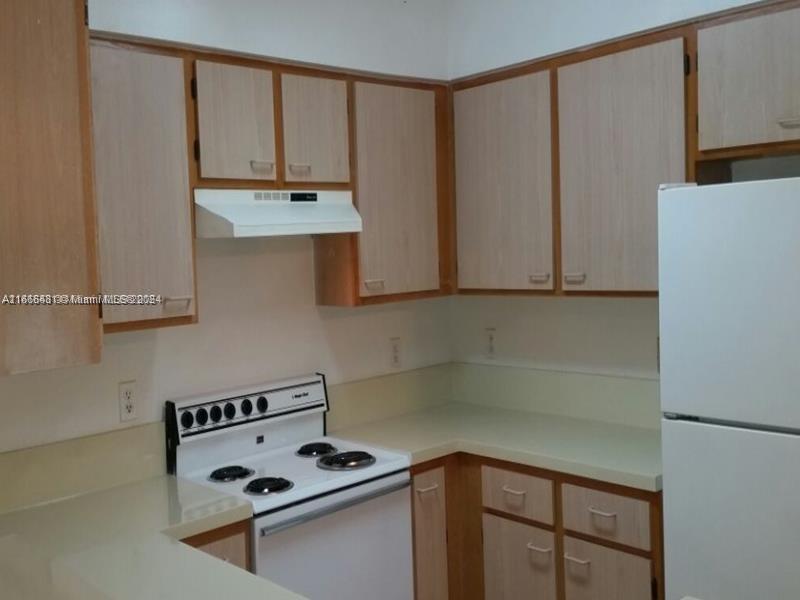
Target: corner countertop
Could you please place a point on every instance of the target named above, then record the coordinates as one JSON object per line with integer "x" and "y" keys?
{"x": 620, "y": 454}
{"x": 123, "y": 544}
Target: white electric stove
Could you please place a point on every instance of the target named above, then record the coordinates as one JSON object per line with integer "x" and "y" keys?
{"x": 343, "y": 507}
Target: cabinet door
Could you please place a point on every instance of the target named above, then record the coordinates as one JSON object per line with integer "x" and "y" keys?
{"x": 518, "y": 560}
{"x": 315, "y": 129}
{"x": 396, "y": 167}
{"x": 47, "y": 231}
{"x": 503, "y": 184}
{"x": 593, "y": 572}
{"x": 621, "y": 127}
{"x": 430, "y": 535}
{"x": 236, "y": 123}
{"x": 142, "y": 178}
{"x": 749, "y": 81}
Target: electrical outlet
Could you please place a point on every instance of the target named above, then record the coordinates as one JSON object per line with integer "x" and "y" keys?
{"x": 490, "y": 339}
{"x": 396, "y": 358}
{"x": 127, "y": 400}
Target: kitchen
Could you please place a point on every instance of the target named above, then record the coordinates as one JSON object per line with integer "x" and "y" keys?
{"x": 429, "y": 235}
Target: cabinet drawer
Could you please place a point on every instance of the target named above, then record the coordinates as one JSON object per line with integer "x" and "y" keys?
{"x": 609, "y": 516}
{"x": 518, "y": 494}
{"x": 518, "y": 560}
{"x": 593, "y": 572}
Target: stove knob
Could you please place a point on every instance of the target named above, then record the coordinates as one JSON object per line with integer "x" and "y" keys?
{"x": 246, "y": 406}
{"x": 216, "y": 414}
{"x": 230, "y": 410}
{"x": 187, "y": 419}
{"x": 201, "y": 416}
{"x": 262, "y": 404}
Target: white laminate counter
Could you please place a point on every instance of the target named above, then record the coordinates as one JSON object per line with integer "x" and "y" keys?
{"x": 122, "y": 544}
{"x": 619, "y": 454}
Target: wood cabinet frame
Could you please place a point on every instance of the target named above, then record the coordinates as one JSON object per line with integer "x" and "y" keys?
{"x": 465, "y": 512}
{"x": 207, "y": 537}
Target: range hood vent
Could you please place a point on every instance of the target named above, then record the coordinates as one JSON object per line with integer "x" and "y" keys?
{"x": 263, "y": 213}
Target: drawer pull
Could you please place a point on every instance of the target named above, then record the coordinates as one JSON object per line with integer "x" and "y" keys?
{"x": 539, "y": 278}
{"x": 168, "y": 299}
{"x": 577, "y": 561}
{"x": 600, "y": 513}
{"x": 575, "y": 278}
{"x": 425, "y": 490}
{"x": 538, "y": 549}
{"x": 299, "y": 168}
{"x": 508, "y": 490}
{"x": 261, "y": 165}
{"x": 790, "y": 123}
{"x": 373, "y": 284}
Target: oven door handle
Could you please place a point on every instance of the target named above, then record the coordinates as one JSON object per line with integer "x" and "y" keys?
{"x": 316, "y": 514}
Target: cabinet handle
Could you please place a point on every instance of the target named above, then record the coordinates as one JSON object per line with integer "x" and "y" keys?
{"x": 430, "y": 488}
{"x": 577, "y": 561}
{"x": 299, "y": 168}
{"x": 186, "y": 299}
{"x": 374, "y": 284}
{"x": 539, "y": 278}
{"x": 600, "y": 513}
{"x": 262, "y": 165}
{"x": 538, "y": 549}
{"x": 508, "y": 490}
{"x": 789, "y": 122}
{"x": 575, "y": 278}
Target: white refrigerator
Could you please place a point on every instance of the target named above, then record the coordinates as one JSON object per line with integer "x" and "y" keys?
{"x": 729, "y": 310}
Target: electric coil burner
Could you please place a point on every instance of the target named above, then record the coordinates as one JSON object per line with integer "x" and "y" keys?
{"x": 261, "y": 486}
{"x": 232, "y": 473}
{"x": 316, "y": 449}
{"x": 346, "y": 461}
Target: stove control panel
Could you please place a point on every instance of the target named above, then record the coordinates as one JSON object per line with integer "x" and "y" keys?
{"x": 202, "y": 416}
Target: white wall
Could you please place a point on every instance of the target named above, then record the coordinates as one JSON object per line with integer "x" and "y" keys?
{"x": 400, "y": 37}
{"x": 258, "y": 322}
{"x": 487, "y": 34}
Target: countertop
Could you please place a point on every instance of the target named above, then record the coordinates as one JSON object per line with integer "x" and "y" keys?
{"x": 619, "y": 454}
{"x": 122, "y": 544}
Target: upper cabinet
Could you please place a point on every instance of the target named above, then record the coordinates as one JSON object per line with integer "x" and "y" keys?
{"x": 749, "y": 81}
{"x": 47, "y": 219}
{"x": 622, "y": 131}
{"x": 315, "y": 129}
{"x": 503, "y": 184}
{"x": 236, "y": 121}
{"x": 142, "y": 182}
{"x": 396, "y": 188}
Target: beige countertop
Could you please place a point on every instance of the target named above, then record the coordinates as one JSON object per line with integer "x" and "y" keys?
{"x": 620, "y": 454}
{"x": 122, "y": 544}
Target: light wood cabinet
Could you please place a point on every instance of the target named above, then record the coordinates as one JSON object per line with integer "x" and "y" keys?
{"x": 142, "y": 181}
{"x": 518, "y": 560}
{"x": 47, "y": 215}
{"x": 518, "y": 494}
{"x": 430, "y": 535}
{"x": 230, "y": 543}
{"x": 396, "y": 189}
{"x": 503, "y": 184}
{"x": 749, "y": 81}
{"x": 622, "y": 130}
{"x": 315, "y": 129}
{"x": 236, "y": 121}
{"x": 593, "y": 572}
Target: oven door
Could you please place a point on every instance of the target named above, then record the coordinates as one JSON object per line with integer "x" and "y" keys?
{"x": 353, "y": 544}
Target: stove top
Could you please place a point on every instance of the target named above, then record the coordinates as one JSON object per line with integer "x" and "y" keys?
{"x": 315, "y": 449}
{"x": 230, "y": 473}
{"x": 281, "y": 476}
{"x": 346, "y": 461}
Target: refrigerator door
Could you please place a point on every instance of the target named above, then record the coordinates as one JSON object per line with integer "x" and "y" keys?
{"x": 731, "y": 512}
{"x": 729, "y": 302}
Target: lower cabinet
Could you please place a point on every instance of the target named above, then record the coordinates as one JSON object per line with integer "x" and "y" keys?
{"x": 430, "y": 535}
{"x": 230, "y": 543}
{"x": 519, "y": 560}
{"x": 593, "y": 572}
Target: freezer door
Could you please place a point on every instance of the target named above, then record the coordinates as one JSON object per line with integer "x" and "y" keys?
{"x": 731, "y": 512}
{"x": 729, "y": 302}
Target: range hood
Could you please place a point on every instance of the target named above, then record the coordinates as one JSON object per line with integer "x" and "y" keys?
{"x": 261, "y": 213}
